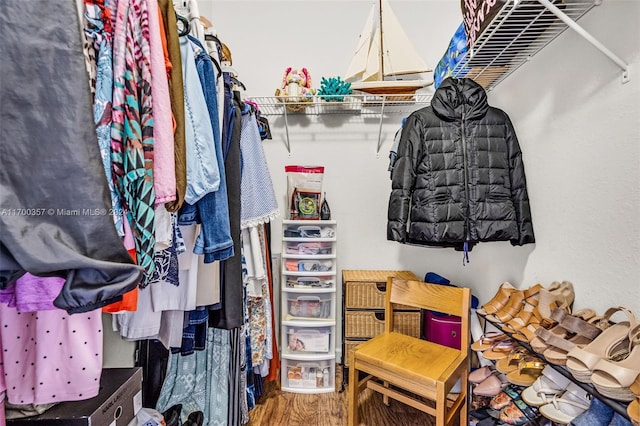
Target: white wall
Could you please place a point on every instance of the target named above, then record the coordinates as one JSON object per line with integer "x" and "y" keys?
{"x": 578, "y": 129}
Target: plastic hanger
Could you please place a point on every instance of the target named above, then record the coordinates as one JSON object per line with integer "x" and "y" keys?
{"x": 186, "y": 26}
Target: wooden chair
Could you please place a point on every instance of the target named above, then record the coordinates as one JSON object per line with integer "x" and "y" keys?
{"x": 403, "y": 367}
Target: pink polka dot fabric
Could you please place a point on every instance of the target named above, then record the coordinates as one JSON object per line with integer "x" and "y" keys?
{"x": 49, "y": 356}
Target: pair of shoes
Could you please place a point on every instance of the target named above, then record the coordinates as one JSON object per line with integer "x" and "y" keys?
{"x": 613, "y": 378}
{"x": 480, "y": 374}
{"x": 487, "y": 340}
{"x": 582, "y": 333}
{"x": 172, "y": 415}
{"x": 573, "y": 402}
{"x": 557, "y": 295}
{"x": 512, "y": 409}
{"x": 510, "y": 363}
{"x": 487, "y": 382}
{"x": 519, "y": 301}
{"x": 490, "y": 386}
{"x": 558, "y": 316}
{"x": 499, "y": 350}
{"x": 611, "y": 344}
{"x": 498, "y": 301}
{"x": 518, "y": 413}
{"x": 549, "y": 384}
{"x": 529, "y": 369}
{"x": 550, "y": 322}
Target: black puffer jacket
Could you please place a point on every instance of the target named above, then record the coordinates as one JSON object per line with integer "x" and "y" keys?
{"x": 459, "y": 175}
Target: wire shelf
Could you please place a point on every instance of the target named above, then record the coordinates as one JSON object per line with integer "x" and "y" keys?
{"x": 519, "y": 31}
{"x": 343, "y": 104}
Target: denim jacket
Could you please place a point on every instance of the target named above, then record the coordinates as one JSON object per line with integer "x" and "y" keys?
{"x": 214, "y": 240}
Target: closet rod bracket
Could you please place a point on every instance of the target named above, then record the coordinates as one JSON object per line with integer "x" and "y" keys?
{"x": 587, "y": 36}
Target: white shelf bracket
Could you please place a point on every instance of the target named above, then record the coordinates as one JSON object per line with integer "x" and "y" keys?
{"x": 287, "y": 143}
{"x": 384, "y": 98}
{"x": 591, "y": 39}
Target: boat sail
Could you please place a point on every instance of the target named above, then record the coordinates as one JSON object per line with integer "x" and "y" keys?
{"x": 385, "y": 61}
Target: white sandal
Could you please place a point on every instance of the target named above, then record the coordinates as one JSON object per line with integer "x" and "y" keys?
{"x": 548, "y": 385}
{"x": 570, "y": 405}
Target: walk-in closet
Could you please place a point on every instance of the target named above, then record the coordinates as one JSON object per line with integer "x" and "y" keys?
{"x": 319, "y": 212}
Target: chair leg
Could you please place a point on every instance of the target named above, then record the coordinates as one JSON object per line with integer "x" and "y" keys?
{"x": 441, "y": 405}
{"x": 352, "y": 409}
{"x": 385, "y": 397}
{"x": 464, "y": 417}
{"x": 464, "y": 408}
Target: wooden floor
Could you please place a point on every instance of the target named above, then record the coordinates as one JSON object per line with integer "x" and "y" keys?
{"x": 278, "y": 408}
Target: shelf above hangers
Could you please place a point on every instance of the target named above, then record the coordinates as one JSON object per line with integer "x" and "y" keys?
{"x": 354, "y": 104}
{"x": 520, "y": 30}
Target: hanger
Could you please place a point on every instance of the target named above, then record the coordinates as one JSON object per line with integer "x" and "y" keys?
{"x": 237, "y": 83}
{"x": 226, "y": 67}
{"x": 186, "y": 26}
{"x": 211, "y": 37}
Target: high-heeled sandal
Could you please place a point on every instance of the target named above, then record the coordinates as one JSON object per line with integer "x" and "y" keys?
{"x": 614, "y": 378}
{"x": 585, "y": 332}
{"x": 546, "y": 328}
{"x": 529, "y": 313}
{"x": 612, "y": 343}
{"x": 511, "y": 309}
{"x": 498, "y": 301}
{"x": 557, "y": 295}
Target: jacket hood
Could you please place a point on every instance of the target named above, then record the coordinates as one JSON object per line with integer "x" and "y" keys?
{"x": 458, "y": 96}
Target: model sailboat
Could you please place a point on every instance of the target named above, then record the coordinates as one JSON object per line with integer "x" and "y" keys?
{"x": 386, "y": 62}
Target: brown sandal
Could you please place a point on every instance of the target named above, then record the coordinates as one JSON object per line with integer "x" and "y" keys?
{"x": 499, "y": 300}
{"x": 511, "y": 309}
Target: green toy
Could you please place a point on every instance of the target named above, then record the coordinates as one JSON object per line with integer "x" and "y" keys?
{"x": 331, "y": 88}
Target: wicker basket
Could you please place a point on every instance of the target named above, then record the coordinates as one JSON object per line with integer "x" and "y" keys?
{"x": 368, "y": 295}
{"x": 348, "y": 348}
{"x": 367, "y": 324}
{"x": 367, "y": 288}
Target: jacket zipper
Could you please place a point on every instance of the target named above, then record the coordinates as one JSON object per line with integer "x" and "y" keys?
{"x": 466, "y": 192}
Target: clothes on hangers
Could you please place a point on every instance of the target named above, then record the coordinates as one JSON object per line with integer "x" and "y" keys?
{"x": 164, "y": 167}
{"x": 84, "y": 249}
{"x": 192, "y": 273}
{"x": 132, "y": 128}
{"x": 176, "y": 93}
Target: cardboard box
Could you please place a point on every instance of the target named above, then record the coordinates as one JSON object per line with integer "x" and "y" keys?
{"x": 117, "y": 402}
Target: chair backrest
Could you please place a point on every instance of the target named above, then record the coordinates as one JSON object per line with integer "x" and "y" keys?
{"x": 433, "y": 297}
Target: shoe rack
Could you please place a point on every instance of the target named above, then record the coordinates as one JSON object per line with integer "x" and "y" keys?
{"x": 617, "y": 406}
